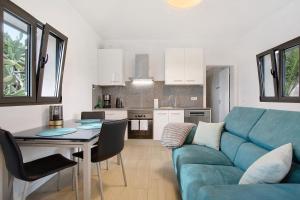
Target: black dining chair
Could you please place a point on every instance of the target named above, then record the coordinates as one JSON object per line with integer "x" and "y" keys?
{"x": 110, "y": 143}
{"x": 93, "y": 115}
{"x": 33, "y": 170}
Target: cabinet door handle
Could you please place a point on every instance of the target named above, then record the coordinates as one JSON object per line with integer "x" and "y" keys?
{"x": 190, "y": 80}
{"x": 178, "y": 80}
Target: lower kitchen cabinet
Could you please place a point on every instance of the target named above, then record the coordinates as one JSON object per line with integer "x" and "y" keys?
{"x": 162, "y": 117}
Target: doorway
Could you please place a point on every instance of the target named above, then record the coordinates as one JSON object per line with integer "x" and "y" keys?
{"x": 218, "y": 91}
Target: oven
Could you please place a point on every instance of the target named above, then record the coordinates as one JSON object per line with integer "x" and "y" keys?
{"x": 140, "y": 124}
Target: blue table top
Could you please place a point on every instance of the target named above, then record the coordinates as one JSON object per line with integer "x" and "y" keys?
{"x": 79, "y": 135}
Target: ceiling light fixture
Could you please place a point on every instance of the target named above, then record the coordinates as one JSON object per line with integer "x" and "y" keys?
{"x": 183, "y": 3}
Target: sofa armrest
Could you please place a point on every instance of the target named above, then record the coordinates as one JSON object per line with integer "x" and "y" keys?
{"x": 190, "y": 137}
{"x": 250, "y": 192}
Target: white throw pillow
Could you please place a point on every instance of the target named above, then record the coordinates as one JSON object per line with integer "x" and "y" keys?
{"x": 271, "y": 167}
{"x": 208, "y": 134}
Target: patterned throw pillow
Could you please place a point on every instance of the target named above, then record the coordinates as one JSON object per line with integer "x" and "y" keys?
{"x": 174, "y": 134}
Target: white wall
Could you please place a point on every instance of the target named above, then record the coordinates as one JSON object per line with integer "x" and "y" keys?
{"x": 278, "y": 28}
{"x": 215, "y": 54}
{"x": 80, "y": 69}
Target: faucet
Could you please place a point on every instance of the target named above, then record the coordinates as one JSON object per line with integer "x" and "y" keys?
{"x": 172, "y": 101}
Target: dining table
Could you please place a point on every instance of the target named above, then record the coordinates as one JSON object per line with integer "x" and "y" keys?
{"x": 82, "y": 138}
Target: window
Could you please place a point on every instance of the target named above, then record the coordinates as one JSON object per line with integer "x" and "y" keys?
{"x": 51, "y": 66}
{"x": 279, "y": 72}
{"x": 32, "y": 62}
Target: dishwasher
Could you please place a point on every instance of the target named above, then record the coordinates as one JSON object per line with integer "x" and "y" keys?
{"x": 196, "y": 115}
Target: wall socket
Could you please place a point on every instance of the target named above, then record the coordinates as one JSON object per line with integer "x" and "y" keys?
{"x": 194, "y": 98}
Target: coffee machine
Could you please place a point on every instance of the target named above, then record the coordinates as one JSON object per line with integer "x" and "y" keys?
{"x": 106, "y": 101}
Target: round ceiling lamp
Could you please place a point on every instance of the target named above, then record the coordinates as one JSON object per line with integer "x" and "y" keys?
{"x": 183, "y": 3}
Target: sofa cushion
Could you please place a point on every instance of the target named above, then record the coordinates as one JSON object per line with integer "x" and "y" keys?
{"x": 271, "y": 167}
{"x": 248, "y": 192}
{"x": 230, "y": 144}
{"x": 247, "y": 154}
{"x": 196, "y": 154}
{"x": 276, "y": 128}
{"x": 189, "y": 139}
{"x": 241, "y": 120}
{"x": 194, "y": 176}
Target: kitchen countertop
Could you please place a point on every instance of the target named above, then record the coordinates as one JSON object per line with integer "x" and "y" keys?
{"x": 161, "y": 108}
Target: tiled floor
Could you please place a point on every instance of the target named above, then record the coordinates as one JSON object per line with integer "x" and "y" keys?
{"x": 149, "y": 173}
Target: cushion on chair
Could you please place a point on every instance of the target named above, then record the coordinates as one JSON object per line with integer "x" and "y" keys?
{"x": 247, "y": 154}
{"x": 190, "y": 137}
{"x": 230, "y": 144}
{"x": 194, "y": 176}
{"x": 195, "y": 154}
{"x": 241, "y": 120}
{"x": 45, "y": 166}
{"x": 277, "y": 128}
{"x": 271, "y": 167}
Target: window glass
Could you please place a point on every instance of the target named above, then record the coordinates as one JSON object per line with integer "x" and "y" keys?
{"x": 39, "y": 34}
{"x": 267, "y": 77}
{"x": 16, "y": 57}
{"x": 291, "y": 72}
{"x": 52, "y": 69}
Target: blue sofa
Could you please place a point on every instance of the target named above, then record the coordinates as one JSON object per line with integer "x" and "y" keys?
{"x": 207, "y": 174}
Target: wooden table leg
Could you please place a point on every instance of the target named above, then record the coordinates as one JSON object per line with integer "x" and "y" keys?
{"x": 87, "y": 171}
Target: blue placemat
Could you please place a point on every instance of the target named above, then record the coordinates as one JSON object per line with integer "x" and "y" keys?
{"x": 57, "y": 132}
{"x": 88, "y": 121}
{"x": 90, "y": 126}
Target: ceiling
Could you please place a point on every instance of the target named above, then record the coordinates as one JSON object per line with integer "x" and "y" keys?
{"x": 212, "y": 20}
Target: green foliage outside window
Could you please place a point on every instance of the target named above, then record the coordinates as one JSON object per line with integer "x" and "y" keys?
{"x": 14, "y": 61}
{"x": 291, "y": 71}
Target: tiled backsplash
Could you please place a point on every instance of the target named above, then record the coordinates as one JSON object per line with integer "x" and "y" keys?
{"x": 143, "y": 95}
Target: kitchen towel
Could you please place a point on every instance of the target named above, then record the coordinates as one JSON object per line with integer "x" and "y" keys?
{"x": 144, "y": 125}
{"x": 135, "y": 125}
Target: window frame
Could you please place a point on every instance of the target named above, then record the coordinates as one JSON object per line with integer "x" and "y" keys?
{"x": 20, "y": 14}
{"x": 261, "y": 79}
{"x": 49, "y": 30}
{"x": 36, "y": 74}
{"x": 279, "y": 73}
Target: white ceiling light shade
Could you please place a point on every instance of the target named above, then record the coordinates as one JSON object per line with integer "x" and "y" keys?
{"x": 183, "y": 3}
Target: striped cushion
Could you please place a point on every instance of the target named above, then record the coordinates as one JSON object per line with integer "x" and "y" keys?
{"x": 174, "y": 134}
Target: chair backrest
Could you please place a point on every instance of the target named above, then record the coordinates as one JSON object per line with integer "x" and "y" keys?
{"x": 111, "y": 138}
{"x": 93, "y": 115}
{"x": 12, "y": 155}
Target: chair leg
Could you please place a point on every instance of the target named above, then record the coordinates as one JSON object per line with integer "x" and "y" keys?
{"x": 76, "y": 183}
{"x": 118, "y": 159}
{"x": 123, "y": 170}
{"x": 10, "y": 187}
{"x": 24, "y": 193}
{"x": 100, "y": 181}
{"x": 58, "y": 181}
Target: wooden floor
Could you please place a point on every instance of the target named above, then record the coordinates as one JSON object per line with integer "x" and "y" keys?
{"x": 149, "y": 173}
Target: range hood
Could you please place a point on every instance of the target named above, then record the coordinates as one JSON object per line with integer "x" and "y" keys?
{"x": 141, "y": 70}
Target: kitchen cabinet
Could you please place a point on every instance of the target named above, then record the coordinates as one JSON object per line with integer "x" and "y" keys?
{"x": 162, "y": 117}
{"x": 174, "y": 66}
{"x": 110, "y": 67}
{"x": 116, "y": 115}
{"x": 184, "y": 66}
{"x": 176, "y": 116}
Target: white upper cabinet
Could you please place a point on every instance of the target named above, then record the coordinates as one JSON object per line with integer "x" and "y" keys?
{"x": 194, "y": 66}
{"x": 174, "y": 66}
{"x": 110, "y": 67}
{"x": 184, "y": 66}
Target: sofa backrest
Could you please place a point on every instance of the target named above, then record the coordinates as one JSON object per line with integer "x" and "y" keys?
{"x": 273, "y": 129}
{"x": 238, "y": 124}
